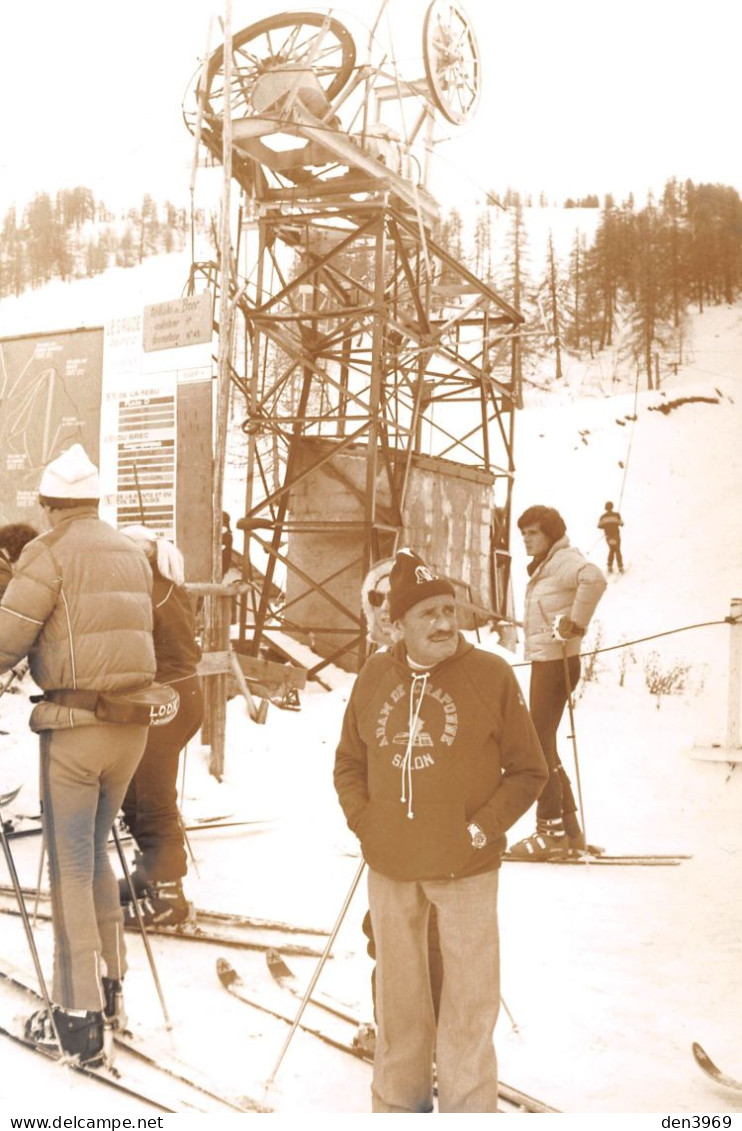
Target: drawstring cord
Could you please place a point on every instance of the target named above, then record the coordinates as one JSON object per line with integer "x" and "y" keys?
{"x": 413, "y": 718}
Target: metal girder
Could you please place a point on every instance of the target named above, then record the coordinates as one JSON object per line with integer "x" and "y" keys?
{"x": 373, "y": 360}
{"x": 358, "y": 357}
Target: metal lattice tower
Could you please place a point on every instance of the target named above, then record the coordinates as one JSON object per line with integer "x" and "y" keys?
{"x": 378, "y": 369}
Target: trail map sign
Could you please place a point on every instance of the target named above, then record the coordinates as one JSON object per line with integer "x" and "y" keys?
{"x": 50, "y": 396}
{"x": 156, "y": 429}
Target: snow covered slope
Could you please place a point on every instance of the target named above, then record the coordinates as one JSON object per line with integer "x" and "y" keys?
{"x": 609, "y": 973}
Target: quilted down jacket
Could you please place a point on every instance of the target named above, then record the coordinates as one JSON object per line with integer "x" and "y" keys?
{"x": 80, "y": 606}
{"x": 564, "y": 584}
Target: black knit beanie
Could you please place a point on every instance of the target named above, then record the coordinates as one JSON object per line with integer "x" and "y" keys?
{"x": 410, "y": 582}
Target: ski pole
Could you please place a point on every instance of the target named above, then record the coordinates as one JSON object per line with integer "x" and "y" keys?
{"x": 183, "y": 776}
{"x": 5, "y": 799}
{"x": 187, "y": 842}
{"x": 42, "y": 856}
{"x": 142, "y": 928}
{"x": 181, "y": 822}
{"x": 15, "y": 673}
{"x": 511, "y": 1019}
{"x": 573, "y": 736}
{"x": 318, "y": 971}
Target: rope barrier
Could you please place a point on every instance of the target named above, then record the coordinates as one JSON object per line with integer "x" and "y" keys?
{"x": 645, "y": 639}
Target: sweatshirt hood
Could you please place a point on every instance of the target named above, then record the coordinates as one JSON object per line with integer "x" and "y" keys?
{"x": 418, "y": 685}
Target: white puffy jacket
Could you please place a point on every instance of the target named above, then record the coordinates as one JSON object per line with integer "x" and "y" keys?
{"x": 566, "y": 584}
{"x": 80, "y": 607}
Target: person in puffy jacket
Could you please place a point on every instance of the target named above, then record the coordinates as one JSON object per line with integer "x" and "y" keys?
{"x": 151, "y": 802}
{"x": 437, "y": 758}
{"x": 79, "y": 606}
{"x": 13, "y": 538}
{"x": 563, "y": 591}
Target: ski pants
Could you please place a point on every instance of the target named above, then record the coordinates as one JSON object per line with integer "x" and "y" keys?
{"x": 547, "y": 700}
{"x": 408, "y": 1040}
{"x": 84, "y": 775}
{"x": 614, "y": 552}
{"x": 151, "y": 802}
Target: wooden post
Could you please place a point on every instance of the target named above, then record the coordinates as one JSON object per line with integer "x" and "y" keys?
{"x": 730, "y": 750}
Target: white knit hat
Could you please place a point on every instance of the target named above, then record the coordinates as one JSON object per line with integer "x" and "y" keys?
{"x": 70, "y": 476}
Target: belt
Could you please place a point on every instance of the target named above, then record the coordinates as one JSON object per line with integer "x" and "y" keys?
{"x": 67, "y": 697}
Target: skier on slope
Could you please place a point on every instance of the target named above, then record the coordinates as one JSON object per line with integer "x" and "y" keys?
{"x": 610, "y": 522}
{"x": 151, "y": 802}
{"x": 79, "y": 605}
{"x": 563, "y": 591}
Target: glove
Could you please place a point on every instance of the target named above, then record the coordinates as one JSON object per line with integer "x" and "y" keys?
{"x": 566, "y": 629}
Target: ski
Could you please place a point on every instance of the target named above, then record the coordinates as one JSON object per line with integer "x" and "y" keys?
{"x": 205, "y": 825}
{"x": 282, "y": 973}
{"x": 239, "y": 931}
{"x": 203, "y": 915}
{"x": 232, "y": 982}
{"x": 109, "y": 1080}
{"x": 259, "y": 924}
{"x": 606, "y": 859}
{"x": 220, "y": 823}
{"x": 638, "y": 860}
{"x": 162, "y": 1065}
{"x": 513, "y": 1098}
{"x": 14, "y": 829}
{"x": 706, "y": 1064}
{"x": 195, "y": 932}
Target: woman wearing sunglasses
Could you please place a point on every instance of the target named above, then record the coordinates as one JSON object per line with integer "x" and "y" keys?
{"x": 375, "y": 603}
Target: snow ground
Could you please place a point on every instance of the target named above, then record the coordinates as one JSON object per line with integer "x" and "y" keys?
{"x": 610, "y": 973}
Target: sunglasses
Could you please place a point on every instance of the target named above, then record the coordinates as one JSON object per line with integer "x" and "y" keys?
{"x": 376, "y": 598}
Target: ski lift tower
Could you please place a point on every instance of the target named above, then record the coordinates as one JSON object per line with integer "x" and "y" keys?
{"x": 376, "y": 368}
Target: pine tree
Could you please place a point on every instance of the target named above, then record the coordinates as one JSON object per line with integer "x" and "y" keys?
{"x": 551, "y": 295}
{"x": 12, "y": 272}
{"x": 483, "y": 245}
{"x": 605, "y": 266}
{"x": 650, "y": 320}
{"x": 514, "y": 283}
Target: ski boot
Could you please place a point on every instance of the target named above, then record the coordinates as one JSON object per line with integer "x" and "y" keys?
{"x": 138, "y": 880}
{"x": 80, "y": 1033}
{"x": 162, "y": 905}
{"x": 574, "y": 833}
{"x": 549, "y": 842}
{"x": 114, "y": 1013}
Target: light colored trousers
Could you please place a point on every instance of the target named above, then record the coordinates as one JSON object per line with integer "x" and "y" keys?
{"x": 407, "y": 1043}
{"x": 84, "y": 775}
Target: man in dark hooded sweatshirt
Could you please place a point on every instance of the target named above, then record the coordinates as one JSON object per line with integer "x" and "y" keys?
{"x": 438, "y": 757}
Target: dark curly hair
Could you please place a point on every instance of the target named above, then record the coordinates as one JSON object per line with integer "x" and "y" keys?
{"x": 14, "y": 537}
{"x": 548, "y": 520}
